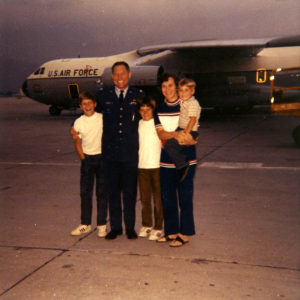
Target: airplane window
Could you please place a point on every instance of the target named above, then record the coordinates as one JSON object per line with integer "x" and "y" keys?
{"x": 42, "y": 71}
{"x": 37, "y": 71}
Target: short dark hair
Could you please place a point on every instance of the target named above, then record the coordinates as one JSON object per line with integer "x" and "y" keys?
{"x": 86, "y": 95}
{"x": 165, "y": 77}
{"x": 120, "y": 63}
{"x": 188, "y": 82}
{"x": 146, "y": 100}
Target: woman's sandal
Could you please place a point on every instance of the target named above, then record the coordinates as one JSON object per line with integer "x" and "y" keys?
{"x": 178, "y": 242}
{"x": 165, "y": 239}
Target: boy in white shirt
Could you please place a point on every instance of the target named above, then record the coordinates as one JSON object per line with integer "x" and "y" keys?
{"x": 89, "y": 148}
{"x": 190, "y": 111}
{"x": 149, "y": 171}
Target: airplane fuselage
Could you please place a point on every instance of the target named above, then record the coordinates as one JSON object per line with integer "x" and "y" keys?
{"x": 222, "y": 81}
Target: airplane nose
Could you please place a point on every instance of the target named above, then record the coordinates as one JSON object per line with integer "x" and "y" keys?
{"x": 24, "y": 88}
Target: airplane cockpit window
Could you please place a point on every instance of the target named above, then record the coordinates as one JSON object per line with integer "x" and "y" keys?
{"x": 39, "y": 71}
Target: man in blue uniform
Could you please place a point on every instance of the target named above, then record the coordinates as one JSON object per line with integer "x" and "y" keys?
{"x": 120, "y": 148}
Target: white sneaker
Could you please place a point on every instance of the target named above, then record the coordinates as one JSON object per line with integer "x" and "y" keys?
{"x": 144, "y": 231}
{"x": 155, "y": 234}
{"x": 81, "y": 229}
{"x": 102, "y": 230}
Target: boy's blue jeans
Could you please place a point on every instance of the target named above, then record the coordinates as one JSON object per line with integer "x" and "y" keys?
{"x": 92, "y": 171}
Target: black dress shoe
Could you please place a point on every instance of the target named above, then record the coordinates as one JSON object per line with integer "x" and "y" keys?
{"x": 113, "y": 234}
{"x": 131, "y": 234}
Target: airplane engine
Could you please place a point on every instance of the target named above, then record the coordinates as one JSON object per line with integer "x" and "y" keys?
{"x": 142, "y": 76}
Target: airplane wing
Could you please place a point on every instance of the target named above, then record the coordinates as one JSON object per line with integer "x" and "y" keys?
{"x": 242, "y": 48}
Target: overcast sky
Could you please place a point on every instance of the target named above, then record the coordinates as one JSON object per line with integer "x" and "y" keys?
{"x": 35, "y": 31}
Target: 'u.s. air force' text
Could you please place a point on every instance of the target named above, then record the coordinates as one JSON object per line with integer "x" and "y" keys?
{"x": 75, "y": 72}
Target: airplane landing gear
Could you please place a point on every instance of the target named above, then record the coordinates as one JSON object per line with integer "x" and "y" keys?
{"x": 54, "y": 111}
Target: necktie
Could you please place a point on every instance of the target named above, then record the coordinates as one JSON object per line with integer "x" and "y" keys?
{"x": 121, "y": 97}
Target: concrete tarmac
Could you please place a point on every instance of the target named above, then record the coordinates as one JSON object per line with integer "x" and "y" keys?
{"x": 246, "y": 206}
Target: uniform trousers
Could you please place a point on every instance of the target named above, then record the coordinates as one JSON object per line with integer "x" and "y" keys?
{"x": 92, "y": 171}
{"x": 177, "y": 200}
{"x": 122, "y": 187}
{"x": 149, "y": 184}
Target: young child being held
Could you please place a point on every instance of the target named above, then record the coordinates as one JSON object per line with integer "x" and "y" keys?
{"x": 148, "y": 171}
{"x": 88, "y": 147}
{"x": 188, "y": 122}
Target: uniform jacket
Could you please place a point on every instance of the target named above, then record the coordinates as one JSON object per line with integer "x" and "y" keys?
{"x": 120, "y": 124}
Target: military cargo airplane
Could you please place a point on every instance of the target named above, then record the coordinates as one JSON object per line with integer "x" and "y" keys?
{"x": 228, "y": 73}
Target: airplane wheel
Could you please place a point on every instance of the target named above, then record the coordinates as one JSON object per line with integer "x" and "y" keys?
{"x": 296, "y": 136}
{"x": 54, "y": 111}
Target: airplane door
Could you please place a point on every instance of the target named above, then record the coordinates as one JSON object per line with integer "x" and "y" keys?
{"x": 285, "y": 85}
{"x": 73, "y": 90}
{"x": 285, "y": 91}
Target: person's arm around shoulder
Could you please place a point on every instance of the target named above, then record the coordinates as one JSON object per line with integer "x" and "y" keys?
{"x": 74, "y": 133}
{"x": 77, "y": 138}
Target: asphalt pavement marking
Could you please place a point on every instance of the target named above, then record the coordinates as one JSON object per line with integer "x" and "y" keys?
{"x": 22, "y": 163}
{"x": 244, "y": 165}
{"x": 207, "y": 165}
